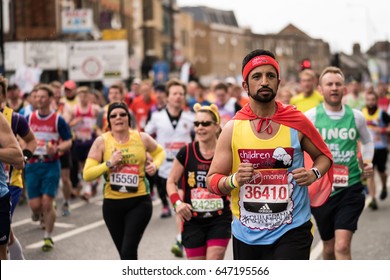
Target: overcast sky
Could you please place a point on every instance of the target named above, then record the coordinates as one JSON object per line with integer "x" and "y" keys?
{"x": 341, "y": 23}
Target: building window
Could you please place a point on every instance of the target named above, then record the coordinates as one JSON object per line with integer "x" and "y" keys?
{"x": 148, "y": 10}
{"x": 149, "y": 38}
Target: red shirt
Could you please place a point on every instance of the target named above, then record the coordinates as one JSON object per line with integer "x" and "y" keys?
{"x": 141, "y": 110}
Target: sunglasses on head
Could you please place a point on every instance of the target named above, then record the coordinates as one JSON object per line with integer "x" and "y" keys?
{"x": 204, "y": 124}
{"x": 122, "y": 115}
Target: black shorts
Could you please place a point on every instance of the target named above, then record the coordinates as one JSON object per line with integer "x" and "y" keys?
{"x": 380, "y": 159}
{"x": 65, "y": 160}
{"x": 81, "y": 149}
{"x": 5, "y": 218}
{"x": 341, "y": 211}
{"x": 197, "y": 232}
{"x": 293, "y": 245}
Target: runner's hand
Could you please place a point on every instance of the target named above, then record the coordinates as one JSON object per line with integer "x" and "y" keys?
{"x": 150, "y": 167}
{"x": 116, "y": 157}
{"x": 304, "y": 177}
{"x": 184, "y": 211}
{"x": 244, "y": 173}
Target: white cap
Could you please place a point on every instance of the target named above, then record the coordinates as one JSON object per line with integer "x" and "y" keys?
{"x": 230, "y": 80}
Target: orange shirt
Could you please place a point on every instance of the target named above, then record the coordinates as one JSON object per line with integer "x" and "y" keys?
{"x": 141, "y": 110}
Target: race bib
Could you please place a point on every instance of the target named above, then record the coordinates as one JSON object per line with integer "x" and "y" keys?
{"x": 340, "y": 176}
{"x": 267, "y": 192}
{"x": 204, "y": 201}
{"x": 125, "y": 178}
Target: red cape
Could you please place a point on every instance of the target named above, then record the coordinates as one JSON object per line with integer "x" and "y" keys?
{"x": 287, "y": 115}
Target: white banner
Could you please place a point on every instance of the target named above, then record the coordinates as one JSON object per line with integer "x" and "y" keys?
{"x": 45, "y": 55}
{"x": 98, "y": 60}
{"x": 85, "y": 68}
{"x": 13, "y": 55}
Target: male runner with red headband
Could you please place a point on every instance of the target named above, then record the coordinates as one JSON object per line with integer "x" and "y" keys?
{"x": 259, "y": 162}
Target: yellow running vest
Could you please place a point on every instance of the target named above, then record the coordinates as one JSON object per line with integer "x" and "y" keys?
{"x": 14, "y": 177}
{"x": 128, "y": 179}
{"x": 250, "y": 147}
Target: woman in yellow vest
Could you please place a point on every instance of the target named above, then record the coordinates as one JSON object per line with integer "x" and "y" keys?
{"x": 120, "y": 155}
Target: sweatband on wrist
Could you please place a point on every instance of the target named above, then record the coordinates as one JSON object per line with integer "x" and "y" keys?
{"x": 174, "y": 198}
{"x": 214, "y": 184}
{"x": 383, "y": 130}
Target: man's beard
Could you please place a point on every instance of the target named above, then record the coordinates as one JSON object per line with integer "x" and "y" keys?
{"x": 263, "y": 98}
{"x": 70, "y": 97}
{"x": 372, "y": 109}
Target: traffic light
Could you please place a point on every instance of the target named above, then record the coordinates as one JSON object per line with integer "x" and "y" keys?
{"x": 305, "y": 64}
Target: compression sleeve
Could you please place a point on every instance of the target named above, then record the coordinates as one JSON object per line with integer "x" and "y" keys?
{"x": 93, "y": 170}
{"x": 365, "y": 136}
{"x": 368, "y": 151}
{"x": 158, "y": 155}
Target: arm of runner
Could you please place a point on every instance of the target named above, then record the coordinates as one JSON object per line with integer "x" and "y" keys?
{"x": 94, "y": 167}
{"x": 218, "y": 178}
{"x": 367, "y": 143}
{"x": 10, "y": 151}
{"x": 155, "y": 150}
{"x": 305, "y": 177}
{"x": 184, "y": 210}
{"x": 30, "y": 144}
{"x": 65, "y": 134}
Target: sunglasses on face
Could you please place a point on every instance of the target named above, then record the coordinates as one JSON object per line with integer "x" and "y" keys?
{"x": 204, "y": 124}
{"x": 122, "y": 115}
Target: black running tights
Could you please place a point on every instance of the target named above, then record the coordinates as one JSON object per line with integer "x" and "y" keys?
{"x": 126, "y": 220}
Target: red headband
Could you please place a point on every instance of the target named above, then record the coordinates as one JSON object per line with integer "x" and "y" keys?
{"x": 258, "y": 61}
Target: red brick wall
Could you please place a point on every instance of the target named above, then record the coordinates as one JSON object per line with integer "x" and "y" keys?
{"x": 35, "y": 20}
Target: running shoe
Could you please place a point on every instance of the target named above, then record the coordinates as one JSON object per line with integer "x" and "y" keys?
{"x": 65, "y": 209}
{"x": 383, "y": 194}
{"x": 177, "y": 249}
{"x": 166, "y": 212}
{"x": 373, "y": 204}
{"x": 48, "y": 244}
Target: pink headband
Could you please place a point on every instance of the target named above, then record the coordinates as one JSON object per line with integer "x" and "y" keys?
{"x": 258, "y": 61}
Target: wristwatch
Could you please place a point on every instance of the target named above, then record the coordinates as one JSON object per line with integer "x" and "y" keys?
{"x": 108, "y": 164}
{"x": 316, "y": 172}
